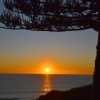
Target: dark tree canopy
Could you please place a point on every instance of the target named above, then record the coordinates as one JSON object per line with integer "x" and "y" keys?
{"x": 50, "y": 15}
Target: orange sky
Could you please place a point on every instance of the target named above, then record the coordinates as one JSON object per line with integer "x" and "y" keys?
{"x": 55, "y": 68}
{"x": 29, "y": 52}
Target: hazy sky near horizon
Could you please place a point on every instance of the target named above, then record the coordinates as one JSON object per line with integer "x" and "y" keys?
{"x": 23, "y": 51}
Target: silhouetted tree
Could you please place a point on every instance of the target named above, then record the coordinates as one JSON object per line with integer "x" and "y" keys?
{"x": 55, "y": 15}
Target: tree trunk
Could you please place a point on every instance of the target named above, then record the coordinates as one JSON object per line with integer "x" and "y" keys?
{"x": 96, "y": 76}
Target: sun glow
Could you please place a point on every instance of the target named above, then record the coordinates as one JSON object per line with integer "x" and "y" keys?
{"x": 47, "y": 70}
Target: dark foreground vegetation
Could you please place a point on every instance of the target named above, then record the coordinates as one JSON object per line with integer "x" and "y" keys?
{"x": 79, "y": 93}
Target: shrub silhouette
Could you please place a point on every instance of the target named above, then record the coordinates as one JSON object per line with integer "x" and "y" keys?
{"x": 79, "y": 93}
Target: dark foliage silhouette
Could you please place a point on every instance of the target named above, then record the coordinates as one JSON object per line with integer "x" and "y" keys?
{"x": 79, "y": 93}
{"x": 50, "y": 15}
{"x": 57, "y": 16}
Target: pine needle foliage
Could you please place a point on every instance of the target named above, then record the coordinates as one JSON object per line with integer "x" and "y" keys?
{"x": 50, "y": 15}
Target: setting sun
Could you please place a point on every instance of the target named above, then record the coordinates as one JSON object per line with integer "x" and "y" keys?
{"x": 47, "y": 70}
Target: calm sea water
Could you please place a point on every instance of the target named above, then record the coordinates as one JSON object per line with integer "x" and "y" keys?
{"x": 32, "y": 86}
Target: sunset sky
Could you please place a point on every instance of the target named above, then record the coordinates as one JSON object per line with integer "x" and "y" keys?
{"x": 31, "y": 52}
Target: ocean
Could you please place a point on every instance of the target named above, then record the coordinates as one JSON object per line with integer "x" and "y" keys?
{"x": 32, "y": 86}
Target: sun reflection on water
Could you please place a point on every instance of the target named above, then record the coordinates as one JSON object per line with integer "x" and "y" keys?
{"x": 47, "y": 85}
